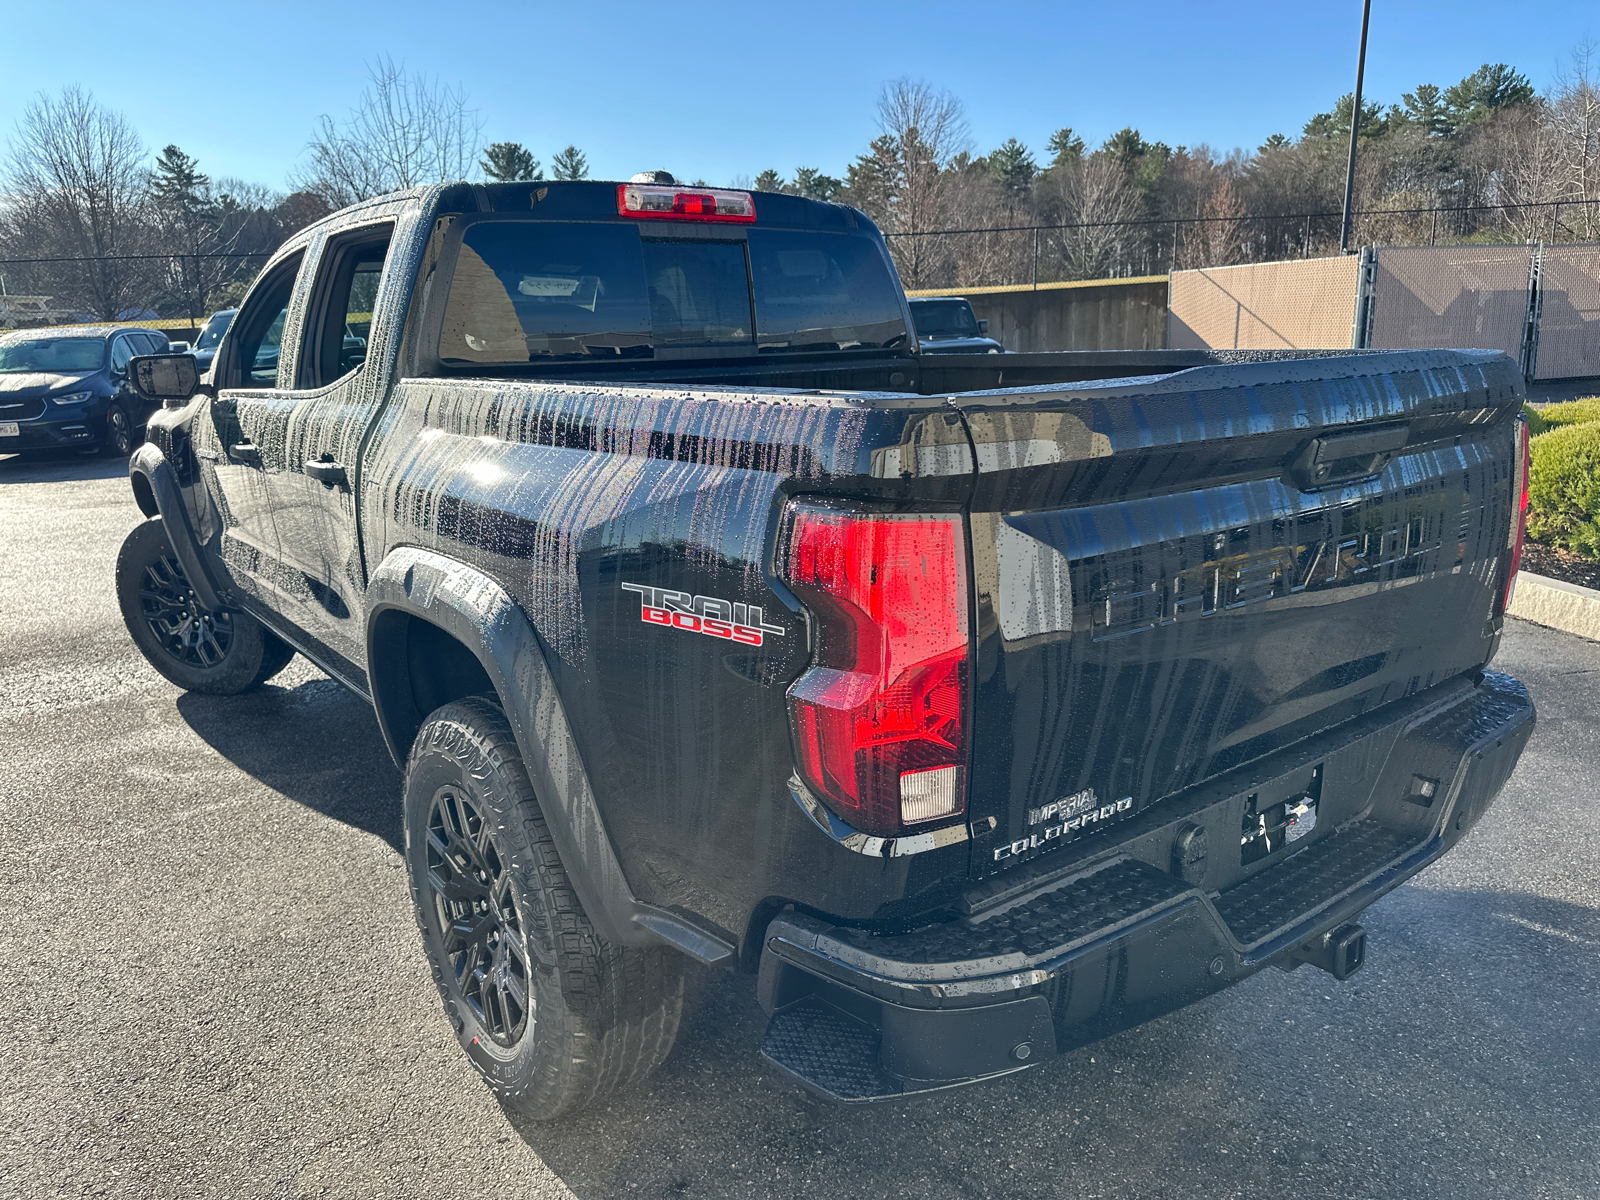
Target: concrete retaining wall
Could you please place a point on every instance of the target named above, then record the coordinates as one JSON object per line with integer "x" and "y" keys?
{"x": 1096, "y": 314}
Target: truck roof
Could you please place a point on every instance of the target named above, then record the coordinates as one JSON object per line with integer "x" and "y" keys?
{"x": 596, "y": 200}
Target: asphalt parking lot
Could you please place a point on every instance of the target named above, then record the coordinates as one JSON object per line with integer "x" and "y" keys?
{"x": 212, "y": 985}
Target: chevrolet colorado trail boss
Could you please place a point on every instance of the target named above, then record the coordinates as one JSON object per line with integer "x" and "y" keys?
{"x": 979, "y": 705}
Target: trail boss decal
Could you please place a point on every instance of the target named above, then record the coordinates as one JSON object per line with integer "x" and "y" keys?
{"x": 741, "y": 623}
{"x": 1061, "y": 820}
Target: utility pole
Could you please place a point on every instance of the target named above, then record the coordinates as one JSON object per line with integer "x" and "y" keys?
{"x": 1355, "y": 129}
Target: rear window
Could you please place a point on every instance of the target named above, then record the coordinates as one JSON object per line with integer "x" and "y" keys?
{"x": 822, "y": 292}
{"x": 529, "y": 292}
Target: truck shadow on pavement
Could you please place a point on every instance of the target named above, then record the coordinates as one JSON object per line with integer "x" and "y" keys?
{"x": 59, "y": 467}
{"x": 314, "y": 742}
{"x": 1420, "y": 1077}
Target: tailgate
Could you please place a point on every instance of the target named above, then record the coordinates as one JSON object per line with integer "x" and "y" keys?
{"x": 1180, "y": 574}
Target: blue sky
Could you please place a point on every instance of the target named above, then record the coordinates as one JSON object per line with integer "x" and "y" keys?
{"x": 722, "y": 90}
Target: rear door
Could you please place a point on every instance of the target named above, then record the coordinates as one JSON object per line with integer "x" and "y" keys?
{"x": 1182, "y": 574}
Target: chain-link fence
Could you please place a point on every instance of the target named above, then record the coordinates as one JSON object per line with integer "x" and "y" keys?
{"x": 67, "y": 289}
{"x": 1538, "y": 302}
{"x": 1567, "y": 325}
{"x": 1263, "y": 306}
{"x": 1459, "y": 296}
{"x": 1025, "y": 255}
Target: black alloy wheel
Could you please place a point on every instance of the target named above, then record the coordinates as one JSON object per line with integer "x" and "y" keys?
{"x": 195, "y": 636}
{"x": 219, "y": 653}
{"x": 119, "y": 433}
{"x": 549, "y": 1013}
{"x": 476, "y": 917}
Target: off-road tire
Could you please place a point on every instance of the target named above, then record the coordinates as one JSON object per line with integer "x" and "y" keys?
{"x": 231, "y": 653}
{"x": 276, "y": 654}
{"x": 602, "y": 1016}
{"x": 117, "y": 440}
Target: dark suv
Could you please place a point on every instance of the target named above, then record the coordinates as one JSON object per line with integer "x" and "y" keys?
{"x": 947, "y": 325}
{"x": 67, "y": 388}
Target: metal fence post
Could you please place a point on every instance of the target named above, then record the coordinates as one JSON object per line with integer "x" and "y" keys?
{"x": 1529, "y": 356}
{"x": 1036, "y": 258}
{"x": 1361, "y": 322}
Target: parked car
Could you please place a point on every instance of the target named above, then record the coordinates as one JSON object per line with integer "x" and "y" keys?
{"x": 67, "y": 387}
{"x": 205, "y": 345}
{"x": 707, "y": 616}
{"x": 947, "y": 325}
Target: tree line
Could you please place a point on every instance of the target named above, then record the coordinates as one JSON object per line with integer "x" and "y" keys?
{"x": 89, "y": 218}
{"x": 1485, "y": 158}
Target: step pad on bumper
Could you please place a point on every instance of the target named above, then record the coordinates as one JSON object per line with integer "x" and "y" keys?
{"x": 828, "y": 1050}
{"x": 1310, "y": 879}
{"x": 1085, "y": 907}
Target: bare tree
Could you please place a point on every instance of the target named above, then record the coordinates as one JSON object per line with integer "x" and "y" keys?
{"x": 1574, "y": 113}
{"x": 921, "y": 131}
{"x": 76, "y": 185}
{"x": 408, "y": 129}
{"x": 1095, "y": 197}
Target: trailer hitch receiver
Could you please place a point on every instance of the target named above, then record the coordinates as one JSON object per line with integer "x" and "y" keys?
{"x": 1340, "y": 953}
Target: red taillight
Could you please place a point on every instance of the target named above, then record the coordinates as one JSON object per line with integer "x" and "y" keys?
{"x": 880, "y": 719}
{"x": 670, "y": 203}
{"x": 1519, "y": 518}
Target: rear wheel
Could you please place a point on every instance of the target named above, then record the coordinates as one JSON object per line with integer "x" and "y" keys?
{"x": 552, "y": 1016}
{"x": 200, "y": 650}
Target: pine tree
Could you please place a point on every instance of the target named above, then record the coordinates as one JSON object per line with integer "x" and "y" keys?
{"x": 1335, "y": 125}
{"x": 569, "y": 164}
{"x": 177, "y": 185}
{"x": 1485, "y": 92}
{"x": 1064, "y": 146}
{"x": 1014, "y": 166}
{"x": 769, "y": 181}
{"x": 1425, "y": 107}
{"x": 814, "y": 185}
{"x": 510, "y": 162}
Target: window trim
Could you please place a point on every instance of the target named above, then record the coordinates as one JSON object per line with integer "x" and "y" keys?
{"x": 289, "y": 265}
{"x": 335, "y": 254}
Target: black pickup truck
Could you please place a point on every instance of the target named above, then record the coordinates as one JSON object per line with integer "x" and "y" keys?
{"x": 980, "y": 705}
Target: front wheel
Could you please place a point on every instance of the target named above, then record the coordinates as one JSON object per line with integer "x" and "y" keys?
{"x": 221, "y": 653}
{"x": 118, "y": 439}
{"x": 552, "y": 1016}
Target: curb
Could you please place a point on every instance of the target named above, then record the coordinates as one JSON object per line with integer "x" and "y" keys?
{"x": 1556, "y": 604}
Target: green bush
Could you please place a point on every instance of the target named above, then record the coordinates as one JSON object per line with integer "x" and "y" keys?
{"x": 1564, "y": 489}
{"x": 1571, "y": 412}
{"x": 1536, "y": 423}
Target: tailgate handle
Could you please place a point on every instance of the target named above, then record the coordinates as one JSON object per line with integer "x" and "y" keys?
{"x": 1341, "y": 457}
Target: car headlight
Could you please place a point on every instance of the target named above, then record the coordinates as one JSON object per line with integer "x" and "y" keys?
{"x": 73, "y": 398}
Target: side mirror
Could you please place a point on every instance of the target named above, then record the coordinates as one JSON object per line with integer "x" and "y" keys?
{"x": 164, "y": 376}
{"x": 983, "y": 326}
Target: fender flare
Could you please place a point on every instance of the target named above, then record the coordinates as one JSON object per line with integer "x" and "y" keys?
{"x": 481, "y": 615}
{"x": 155, "y": 484}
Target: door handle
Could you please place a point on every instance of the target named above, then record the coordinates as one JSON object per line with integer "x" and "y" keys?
{"x": 327, "y": 472}
{"x": 245, "y": 452}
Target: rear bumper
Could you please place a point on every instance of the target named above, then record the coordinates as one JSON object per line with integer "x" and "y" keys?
{"x": 859, "y": 1017}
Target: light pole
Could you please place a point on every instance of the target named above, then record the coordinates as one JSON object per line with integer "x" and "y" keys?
{"x": 1355, "y": 128}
